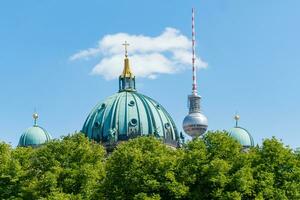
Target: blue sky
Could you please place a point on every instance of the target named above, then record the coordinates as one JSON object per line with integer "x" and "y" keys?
{"x": 251, "y": 48}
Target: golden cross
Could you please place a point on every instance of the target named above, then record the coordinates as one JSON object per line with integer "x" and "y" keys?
{"x": 126, "y": 44}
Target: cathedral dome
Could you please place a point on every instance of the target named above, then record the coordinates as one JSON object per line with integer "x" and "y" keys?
{"x": 241, "y": 135}
{"x": 34, "y": 136}
{"x": 128, "y": 114}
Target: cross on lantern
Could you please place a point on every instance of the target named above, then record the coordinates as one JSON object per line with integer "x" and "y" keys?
{"x": 126, "y": 45}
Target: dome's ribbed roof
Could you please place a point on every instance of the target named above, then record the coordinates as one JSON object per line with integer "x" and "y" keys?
{"x": 34, "y": 136}
{"x": 242, "y": 136}
{"x": 128, "y": 114}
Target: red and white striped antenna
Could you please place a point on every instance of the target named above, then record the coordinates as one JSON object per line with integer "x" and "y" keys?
{"x": 194, "y": 89}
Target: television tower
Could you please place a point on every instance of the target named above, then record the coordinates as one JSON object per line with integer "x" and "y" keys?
{"x": 195, "y": 123}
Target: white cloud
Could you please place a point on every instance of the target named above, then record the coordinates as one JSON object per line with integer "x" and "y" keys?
{"x": 167, "y": 53}
{"x": 85, "y": 54}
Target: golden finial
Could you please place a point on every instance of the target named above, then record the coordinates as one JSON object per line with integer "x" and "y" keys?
{"x": 126, "y": 71}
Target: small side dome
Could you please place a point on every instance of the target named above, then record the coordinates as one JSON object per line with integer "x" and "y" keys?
{"x": 241, "y": 135}
{"x": 34, "y": 136}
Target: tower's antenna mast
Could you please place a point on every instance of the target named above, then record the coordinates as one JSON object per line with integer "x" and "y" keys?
{"x": 194, "y": 89}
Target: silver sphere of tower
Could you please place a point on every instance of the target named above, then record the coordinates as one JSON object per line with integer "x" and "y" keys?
{"x": 195, "y": 124}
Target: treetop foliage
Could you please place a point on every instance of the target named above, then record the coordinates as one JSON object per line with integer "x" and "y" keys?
{"x": 214, "y": 167}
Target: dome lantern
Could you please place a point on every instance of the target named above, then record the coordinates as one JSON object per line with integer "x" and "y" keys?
{"x": 126, "y": 79}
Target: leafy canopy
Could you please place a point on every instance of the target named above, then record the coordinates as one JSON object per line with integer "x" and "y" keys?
{"x": 214, "y": 167}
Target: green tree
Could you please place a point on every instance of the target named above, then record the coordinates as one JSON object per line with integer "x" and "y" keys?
{"x": 216, "y": 167}
{"x": 10, "y": 173}
{"x": 213, "y": 167}
{"x": 73, "y": 165}
{"x": 144, "y": 168}
{"x": 297, "y": 152}
{"x": 276, "y": 171}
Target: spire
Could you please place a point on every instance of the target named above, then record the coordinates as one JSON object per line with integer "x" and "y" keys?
{"x": 35, "y": 117}
{"x": 236, "y": 118}
{"x": 126, "y": 71}
{"x": 126, "y": 79}
{"x": 194, "y": 88}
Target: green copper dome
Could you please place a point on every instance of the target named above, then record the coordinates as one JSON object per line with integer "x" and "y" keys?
{"x": 128, "y": 114}
{"x": 241, "y": 135}
{"x": 34, "y": 136}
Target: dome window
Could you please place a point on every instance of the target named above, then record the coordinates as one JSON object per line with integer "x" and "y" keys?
{"x": 131, "y": 103}
{"x": 103, "y": 105}
{"x": 97, "y": 124}
{"x": 167, "y": 126}
{"x": 168, "y": 131}
{"x": 133, "y": 122}
{"x": 158, "y": 106}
